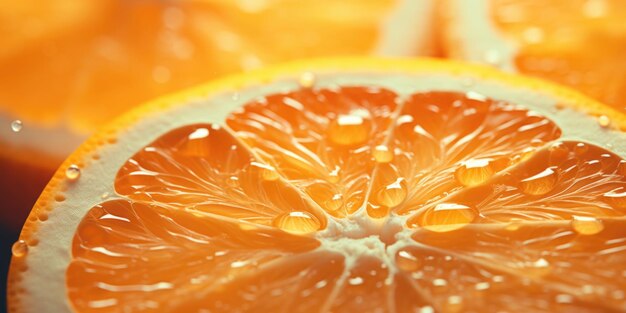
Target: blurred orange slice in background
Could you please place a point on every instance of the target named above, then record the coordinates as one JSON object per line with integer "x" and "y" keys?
{"x": 580, "y": 43}
{"x": 347, "y": 185}
{"x": 67, "y": 67}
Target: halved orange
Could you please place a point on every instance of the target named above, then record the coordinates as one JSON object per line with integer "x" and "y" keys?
{"x": 343, "y": 185}
{"x": 68, "y": 67}
{"x": 579, "y": 43}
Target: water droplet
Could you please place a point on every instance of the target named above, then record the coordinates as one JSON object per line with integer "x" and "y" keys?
{"x": 267, "y": 172}
{"x": 382, "y": 154}
{"x": 558, "y": 150}
{"x": 406, "y": 261}
{"x": 447, "y": 217}
{"x": 454, "y": 304}
{"x": 321, "y": 284}
{"x": 523, "y": 156}
{"x": 333, "y": 176}
{"x": 586, "y": 225}
{"x": 232, "y": 181}
{"x": 427, "y": 309}
{"x": 498, "y": 278}
{"x": 297, "y": 222}
{"x": 349, "y": 130}
{"x": 474, "y": 172}
{"x": 564, "y": 298}
{"x": 72, "y": 172}
{"x": 335, "y": 203}
{"x": 377, "y": 211}
{"x": 404, "y": 119}
{"x": 19, "y": 248}
{"x": 105, "y": 195}
{"x": 238, "y": 264}
{"x": 581, "y": 148}
{"x": 16, "y": 126}
{"x": 616, "y": 198}
{"x": 588, "y": 289}
{"x": 538, "y": 268}
{"x": 482, "y": 286}
{"x": 440, "y": 282}
{"x": 473, "y": 95}
{"x": 527, "y": 153}
{"x": 393, "y": 194}
{"x": 355, "y": 281}
{"x": 540, "y": 184}
{"x": 307, "y": 80}
{"x": 604, "y": 121}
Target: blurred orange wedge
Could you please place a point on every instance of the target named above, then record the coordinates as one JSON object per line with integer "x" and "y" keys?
{"x": 67, "y": 67}
{"x": 579, "y": 43}
{"x": 346, "y": 185}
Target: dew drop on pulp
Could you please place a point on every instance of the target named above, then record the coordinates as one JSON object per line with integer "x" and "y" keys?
{"x": 393, "y": 194}
{"x": 541, "y": 183}
{"x": 72, "y": 172}
{"x": 406, "y": 261}
{"x": 447, "y": 217}
{"x": 474, "y": 172}
{"x": 586, "y": 225}
{"x": 297, "y": 222}
{"x": 382, "y": 154}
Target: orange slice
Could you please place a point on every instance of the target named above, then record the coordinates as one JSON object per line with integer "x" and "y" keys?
{"x": 578, "y": 43}
{"x": 91, "y": 61}
{"x": 366, "y": 185}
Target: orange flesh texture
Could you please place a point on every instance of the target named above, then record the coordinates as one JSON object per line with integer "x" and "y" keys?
{"x": 579, "y": 43}
{"x": 235, "y": 217}
{"x": 91, "y": 61}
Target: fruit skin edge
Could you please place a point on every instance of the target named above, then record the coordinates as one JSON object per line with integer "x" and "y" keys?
{"x": 364, "y": 65}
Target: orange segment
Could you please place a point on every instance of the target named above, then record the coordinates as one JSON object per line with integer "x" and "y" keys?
{"x": 443, "y": 141}
{"x": 325, "y": 150}
{"x": 204, "y": 169}
{"x": 120, "y": 241}
{"x": 524, "y": 268}
{"x": 559, "y": 182}
{"x": 294, "y": 283}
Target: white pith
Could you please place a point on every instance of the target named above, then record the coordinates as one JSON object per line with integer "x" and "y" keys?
{"x": 45, "y": 289}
